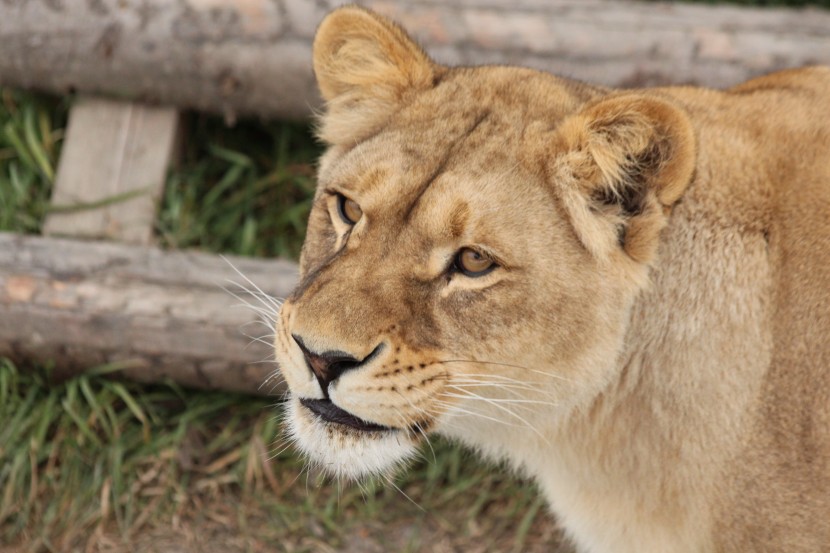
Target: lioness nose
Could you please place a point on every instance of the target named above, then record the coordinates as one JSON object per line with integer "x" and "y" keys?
{"x": 328, "y": 365}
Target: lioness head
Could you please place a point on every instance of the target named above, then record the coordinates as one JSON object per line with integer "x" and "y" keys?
{"x": 476, "y": 241}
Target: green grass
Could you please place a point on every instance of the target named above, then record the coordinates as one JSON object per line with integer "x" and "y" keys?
{"x": 78, "y": 454}
{"x": 31, "y": 131}
{"x": 245, "y": 190}
{"x": 92, "y": 455}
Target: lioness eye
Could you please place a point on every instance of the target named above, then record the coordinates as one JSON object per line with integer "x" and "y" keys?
{"x": 473, "y": 263}
{"x": 348, "y": 209}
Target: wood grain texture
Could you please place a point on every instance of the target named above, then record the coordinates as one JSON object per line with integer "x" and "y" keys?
{"x": 163, "y": 314}
{"x": 254, "y": 56}
{"x": 112, "y": 170}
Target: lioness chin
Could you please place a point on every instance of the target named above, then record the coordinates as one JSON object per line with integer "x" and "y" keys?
{"x": 626, "y": 294}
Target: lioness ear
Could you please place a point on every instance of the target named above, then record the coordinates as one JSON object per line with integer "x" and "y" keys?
{"x": 627, "y": 159}
{"x": 365, "y": 64}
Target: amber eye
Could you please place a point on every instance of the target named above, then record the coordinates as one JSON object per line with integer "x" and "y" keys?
{"x": 349, "y": 211}
{"x": 473, "y": 263}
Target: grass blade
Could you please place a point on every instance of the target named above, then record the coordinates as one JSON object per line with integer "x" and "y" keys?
{"x": 109, "y": 200}
{"x": 39, "y": 156}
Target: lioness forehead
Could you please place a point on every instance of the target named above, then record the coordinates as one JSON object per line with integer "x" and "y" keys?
{"x": 454, "y": 150}
{"x": 508, "y": 99}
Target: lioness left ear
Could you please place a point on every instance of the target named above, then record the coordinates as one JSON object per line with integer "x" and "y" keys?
{"x": 624, "y": 161}
{"x": 365, "y": 65}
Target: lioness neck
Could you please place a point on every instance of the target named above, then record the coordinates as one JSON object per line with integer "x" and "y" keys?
{"x": 654, "y": 445}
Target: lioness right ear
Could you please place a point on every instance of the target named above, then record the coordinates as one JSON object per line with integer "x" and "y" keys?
{"x": 365, "y": 65}
{"x": 621, "y": 163}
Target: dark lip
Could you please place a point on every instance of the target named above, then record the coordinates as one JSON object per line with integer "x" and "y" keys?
{"x": 330, "y": 412}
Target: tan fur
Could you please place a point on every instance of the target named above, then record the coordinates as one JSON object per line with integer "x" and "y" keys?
{"x": 653, "y": 347}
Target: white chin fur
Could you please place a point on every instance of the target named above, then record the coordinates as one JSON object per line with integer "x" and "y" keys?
{"x": 347, "y": 454}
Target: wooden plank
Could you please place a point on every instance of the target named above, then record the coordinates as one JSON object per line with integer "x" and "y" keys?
{"x": 112, "y": 170}
{"x": 163, "y": 314}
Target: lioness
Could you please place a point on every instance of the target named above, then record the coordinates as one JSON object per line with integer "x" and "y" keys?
{"x": 626, "y": 294}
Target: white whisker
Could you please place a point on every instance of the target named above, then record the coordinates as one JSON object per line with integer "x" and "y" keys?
{"x": 262, "y": 340}
{"x": 507, "y": 386}
{"x": 501, "y": 400}
{"x": 392, "y": 483}
{"x": 454, "y": 407}
{"x": 500, "y": 377}
{"x": 273, "y": 301}
{"x": 267, "y": 312}
{"x": 497, "y": 405}
{"x": 417, "y": 426}
{"x": 498, "y": 364}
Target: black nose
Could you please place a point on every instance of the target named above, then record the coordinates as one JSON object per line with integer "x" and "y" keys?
{"x": 329, "y": 365}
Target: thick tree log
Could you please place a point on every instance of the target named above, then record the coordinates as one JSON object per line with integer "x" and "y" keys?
{"x": 160, "y": 314}
{"x": 254, "y": 56}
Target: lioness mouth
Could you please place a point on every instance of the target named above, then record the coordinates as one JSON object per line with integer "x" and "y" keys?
{"x": 330, "y": 412}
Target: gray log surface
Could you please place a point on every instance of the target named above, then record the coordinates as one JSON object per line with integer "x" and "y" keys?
{"x": 161, "y": 314}
{"x": 254, "y": 56}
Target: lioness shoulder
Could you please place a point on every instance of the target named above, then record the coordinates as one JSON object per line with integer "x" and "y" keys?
{"x": 625, "y": 294}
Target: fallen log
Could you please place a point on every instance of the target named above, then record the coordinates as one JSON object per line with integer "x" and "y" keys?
{"x": 254, "y": 56}
{"x": 156, "y": 314}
